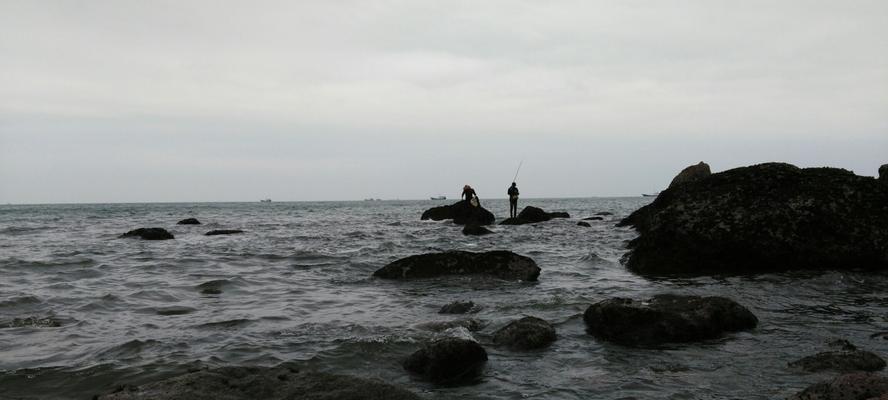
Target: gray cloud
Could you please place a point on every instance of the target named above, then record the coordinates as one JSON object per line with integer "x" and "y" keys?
{"x": 161, "y": 101}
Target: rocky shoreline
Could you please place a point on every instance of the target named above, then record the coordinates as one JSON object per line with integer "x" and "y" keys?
{"x": 761, "y": 218}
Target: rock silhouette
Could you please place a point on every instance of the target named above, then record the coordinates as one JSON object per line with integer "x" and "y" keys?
{"x": 149, "y": 234}
{"x": 499, "y": 264}
{"x": 763, "y": 218}
{"x": 462, "y": 213}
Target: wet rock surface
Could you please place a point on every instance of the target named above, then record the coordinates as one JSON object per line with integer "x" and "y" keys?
{"x": 149, "y": 234}
{"x": 845, "y": 358}
{"x": 278, "y": 383}
{"x": 593, "y": 219}
{"x": 526, "y": 334}
{"x": 531, "y": 215}
{"x": 691, "y": 174}
{"x": 476, "y": 230}
{"x": 449, "y": 360}
{"x": 499, "y": 264}
{"x": 189, "y": 221}
{"x": 223, "y": 232}
{"x": 469, "y": 324}
{"x": 763, "y": 218}
{"x": 462, "y": 213}
{"x": 584, "y": 224}
{"x": 854, "y": 386}
{"x": 459, "y": 307}
{"x": 666, "y": 318}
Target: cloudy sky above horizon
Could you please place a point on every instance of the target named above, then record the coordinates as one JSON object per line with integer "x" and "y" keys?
{"x": 131, "y": 101}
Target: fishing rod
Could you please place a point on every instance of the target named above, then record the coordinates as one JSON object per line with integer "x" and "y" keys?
{"x": 515, "y": 179}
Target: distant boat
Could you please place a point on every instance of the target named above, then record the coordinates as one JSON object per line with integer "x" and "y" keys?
{"x": 650, "y": 195}
{"x": 265, "y": 201}
{"x": 372, "y": 199}
{"x": 439, "y": 197}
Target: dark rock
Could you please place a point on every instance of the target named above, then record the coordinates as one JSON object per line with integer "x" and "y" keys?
{"x": 459, "y": 307}
{"x": 593, "y": 219}
{"x": 189, "y": 221}
{"x": 847, "y": 359}
{"x": 500, "y": 264}
{"x": 525, "y": 334}
{"x": 174, "y": 310}
{"x": 213, "y": 287}
{"x": 691, "y": 174}
{"x": 462, "y": 213}
{"x": 586, "y": 224}
{"x": 604, "y": 213}
{"x": 666, "y": 318}
{"x": 149, "y": 234}
{"x": 476, "y": 230}
{"x": 223, "y": 232}
{"x": 531, "y": 215}
{"x": 470, "y": 324}
{"x": 763, "y": 218}
{"x": 448, "y": 360}
{"x": 883, "y": 173}
{"x": 247, "y": 383}
{"x": 854, "y": 386}
{"x": 34, "y": 322}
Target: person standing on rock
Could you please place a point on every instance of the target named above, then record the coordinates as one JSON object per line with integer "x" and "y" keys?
{"x": 470, "y": 195}
{"x": 513, "y": 200}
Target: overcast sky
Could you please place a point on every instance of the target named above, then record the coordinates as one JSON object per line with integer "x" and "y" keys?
{"x": 131, "y": 101}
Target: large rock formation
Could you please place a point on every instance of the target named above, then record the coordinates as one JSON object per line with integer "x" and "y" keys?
{"x": 247, "y": 383}
{"x": 500, "y": 264}
{"x": 525, "y": 334}
{"x": 856, "y": 386}
{"x": 691, "y": 174}
{"x": 448, "y": 360}
{"x": 530, "y": 215}
{"x": 767, "y": 217}
{"x": 149, "y": 234}
{"x": 666, "y": 319}
{"x": 883, "y": 173}
{"x": 847, "y": 358}
{"x": 462, "y": 213}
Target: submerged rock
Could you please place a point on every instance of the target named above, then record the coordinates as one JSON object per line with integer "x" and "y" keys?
{"x": 470, "y": 324}
{"x": 34, "y": 322}
{"x": 149, "y": 234}
{"x": 585, "y": 224}
{"x": 855, "y": 386}
{"x": 499, "y": 264}
{"x": 476, "y": 230}
{"x": 604, "y": 213}
{"x": 691, "y": 174}
{"x": 847, "y": 359}
{"x": 763, "y": 218}
{"x": 666, "y": 318}
{"x": 448, "y": 360}
{"x": 530, "y": 215}
{"x": 593, "y": 219}
{"x": 188, "y": 221}
{"x": 247, "y": 383}
{"x": 526, "y": 334}
{"x": 462, "y": 213}
{"x": 459, "y": 307}
{"x": 223, "y": 232}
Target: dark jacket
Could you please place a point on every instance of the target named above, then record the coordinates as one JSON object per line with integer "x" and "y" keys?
{"x": 513, "y": 191}
{"x": 468, "y": 194}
